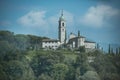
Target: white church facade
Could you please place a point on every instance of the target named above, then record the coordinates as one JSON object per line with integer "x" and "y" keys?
{"x": 73, "y": 42}
{"x": 77, "y": 41}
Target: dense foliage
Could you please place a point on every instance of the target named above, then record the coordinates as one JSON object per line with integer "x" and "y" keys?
{"x": 21, "y": 58}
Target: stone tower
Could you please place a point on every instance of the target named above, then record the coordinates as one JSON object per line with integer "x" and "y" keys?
{"x": 62, "y": 29}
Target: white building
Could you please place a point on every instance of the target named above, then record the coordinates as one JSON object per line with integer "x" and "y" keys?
{"x": 62, "y": 29}
{"x": 89, "y": 44}
{"x": 50, "y": 44}
{"x": 77, "y": 41}
{"x": 54, "y": 44}
{"x": 73, "y": 42}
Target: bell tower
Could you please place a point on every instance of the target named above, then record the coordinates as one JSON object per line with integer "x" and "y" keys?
{"x": 62, "y": 29}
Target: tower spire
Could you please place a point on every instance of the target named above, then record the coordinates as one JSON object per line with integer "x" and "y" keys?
{"x": 62, "y": 13}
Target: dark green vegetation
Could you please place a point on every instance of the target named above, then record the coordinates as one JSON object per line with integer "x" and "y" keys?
{"x": 21, "y": 58}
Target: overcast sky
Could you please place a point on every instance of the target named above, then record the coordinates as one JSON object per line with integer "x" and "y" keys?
{"x": 98, "y": 20}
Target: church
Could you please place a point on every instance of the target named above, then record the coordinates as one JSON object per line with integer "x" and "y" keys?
{"x": 74, "y": 41}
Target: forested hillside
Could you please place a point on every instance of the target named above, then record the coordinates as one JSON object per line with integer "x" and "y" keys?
{"x": 22, "y": 58}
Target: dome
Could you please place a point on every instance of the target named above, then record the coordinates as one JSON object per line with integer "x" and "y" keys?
{"x": 61, "y": 18}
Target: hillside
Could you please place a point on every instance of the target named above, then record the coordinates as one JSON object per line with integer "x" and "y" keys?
{"x": 21, "y": 58}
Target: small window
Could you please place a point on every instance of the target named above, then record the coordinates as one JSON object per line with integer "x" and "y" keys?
{"x": 62, "y": 24}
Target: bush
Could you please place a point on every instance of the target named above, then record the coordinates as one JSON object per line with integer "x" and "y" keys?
{"x": 90, "y": 75}
{"x": 17, "y": 70}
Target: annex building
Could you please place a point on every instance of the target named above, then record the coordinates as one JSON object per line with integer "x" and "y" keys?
{"x": 74, "y": 41}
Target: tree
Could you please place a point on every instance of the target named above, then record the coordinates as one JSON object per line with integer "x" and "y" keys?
{"x": 22, "y": 41}
{"x": 7, "y": 36}
{"x": 44, "y": 77}
{"x": 82, "y": 64}
{"x": 17, "y": 70}
{"x": 90, "y": 75}
{"x": 117, "y": 50}
{"x": 112, "y": 51}
{"x": 5, "y": 48}
{"x": 98, "y": 46}
{"x": 81, "y": 58}
{"x": 109, "y": 49}
{"x": 70, "y": 75}
{"x": 3, "y": 75}
{"x": 59, "y": 71}
{"x": 43, "y": 62}
{"x": 101, "y": 64}
{"x": 82, "y": 49}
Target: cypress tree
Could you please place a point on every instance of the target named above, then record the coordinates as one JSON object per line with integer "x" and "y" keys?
{"x": 117, "y": 51}
{"x": 97, "y": 46}
{"x": 109, "y": 49}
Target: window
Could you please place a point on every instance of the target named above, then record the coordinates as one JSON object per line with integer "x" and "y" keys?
{"x": 62, "y": 29}
{"x": 62, "y": 24}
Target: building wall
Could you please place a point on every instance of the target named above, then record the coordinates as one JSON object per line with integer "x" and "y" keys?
{"x": 89, "y": 45}
{"x": 50, "y": 44}
{"x": 72, "y": 36}
{"x": 77, "y": 42}
{"x": 80, "y": 42}
{"x": 62, "y": 31}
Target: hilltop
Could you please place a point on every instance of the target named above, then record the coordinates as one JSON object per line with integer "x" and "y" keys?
{"x": 22, "y": 59}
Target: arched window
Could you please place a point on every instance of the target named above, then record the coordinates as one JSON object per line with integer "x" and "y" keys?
{"x": 62, "y": 24}
{"x": 62, "y": 29}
